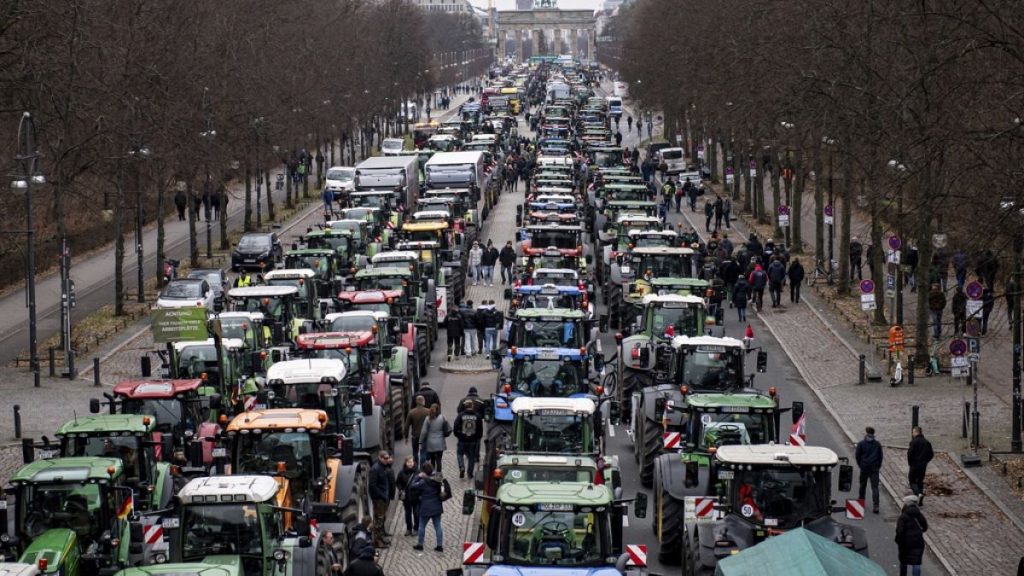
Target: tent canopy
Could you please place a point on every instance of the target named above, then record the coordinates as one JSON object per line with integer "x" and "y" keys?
{"x": 798, "y": 552}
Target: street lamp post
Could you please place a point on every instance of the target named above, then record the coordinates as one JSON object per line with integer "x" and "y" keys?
{"x": 139, "y": 152}
{"x": 207, "y": 135}
{"x": 27, "y": 158}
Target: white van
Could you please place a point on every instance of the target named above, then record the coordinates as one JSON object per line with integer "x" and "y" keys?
{"x": 392, "y": 146}
{"x": 674, "y": 158}
{"x": 614, "y": 106}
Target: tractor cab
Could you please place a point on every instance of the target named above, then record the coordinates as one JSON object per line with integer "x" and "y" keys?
{"x": 549, "y": 328}
{"x": 551, "y": 296}
{"x": 311, "y": 285}
{"x": 218, "y": 370}
{"x": 281, "y": 306}
{"x": 556, "y": 425}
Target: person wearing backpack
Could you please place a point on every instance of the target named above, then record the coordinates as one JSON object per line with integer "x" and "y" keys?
{"x": 428, "y": 490}
{"x": 758, "y": 281}
{"x": 468, "y": 431}
{"x": 435, "y": 429}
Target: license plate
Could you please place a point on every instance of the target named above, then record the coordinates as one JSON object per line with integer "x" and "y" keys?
{"x": 553, "y": 507}
{"x": 220, "y": 452}
{"x": 169, "y": 523}
{"x": 47, "y": 454}
{"x": 547, "y": 354}
{"x": 250, "y": 259}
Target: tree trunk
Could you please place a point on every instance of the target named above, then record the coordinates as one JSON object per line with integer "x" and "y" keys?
{"x": 748, "y": 186}
{"x": 270, "y": 196}
{"x": 119, "y": 252}
{"x": 288, "y": 187}
{"x": 819, "y": 209}
{"x": 875, "y": 262}
{"x": 193, "y": 242}
{"x": 925, "y": 251}
{"x": 844, "y": 235}
{"x": 797, "y": 244}
{"x": 247, "y": 219}
{"x": 712, "y": 153}
{"x": 737, "y": 177}
{"x": 776, "y": 192}
{"x": 160, "y": 256}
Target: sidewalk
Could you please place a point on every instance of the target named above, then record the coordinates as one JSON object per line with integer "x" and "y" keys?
{"x": 958, "y": 503}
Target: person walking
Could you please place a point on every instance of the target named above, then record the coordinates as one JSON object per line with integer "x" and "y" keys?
{"x": 709, "y": 213}
{"x": 492, "y": 323}
{"x": 936, "y": 303}
{"x": 869, "y": 459}
{"x": 692, "y": 192}
{"x": 740, "y": 296}
{"x": 959, "y": 311}
{"x": 480, "y": 320}
{"x": 432, "y": 438}
{"x": 429, "y": 394}
{"x": 382, "y": 490}
{"x": 489, "y": 259}
{"x": 719, "y": 207}
{"x": 856, "y": 250}
{"x": 910, "y": 529}
{"x": 454, "y": 330}
{"x": 476, "y": 255}
{"x": 468, "y": 431}
{"x": 727, "y": 212}
{"x": 988, "y": 303}
{"x": 469, "y": 328}
{"x": 416, "y": 418}
{"x": 328, "y": 198}
{"x": 796, "y": 279}
{"x": 960, "y": 263}
{"x": 910, "y": 261}
{"x": 427, "y": 489}
{"x": 776, "y": 279}
{"x": 181, "y": 203}
{"x": 406, "y": 476}
{"x": 507, "y": 257}
{"x": 758, "y": 280}
{"x": 919, "y": 454}
{"x": 473, "y": 396}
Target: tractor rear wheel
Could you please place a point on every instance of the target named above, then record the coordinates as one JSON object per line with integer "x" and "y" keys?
{"x": 615, "y": 306}
{"x": 422, "y": 353}
{"x": 399, "y": 413}
{"x": 649, "y": 442}
{"x": 668, "y": 524}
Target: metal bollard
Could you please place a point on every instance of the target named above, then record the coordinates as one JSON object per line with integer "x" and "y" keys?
{"x": 910, "y": 370}
{"x": 863, "y": 370}
{"x": 915, "y": 416}
{"x": 17, "y": 421}
{"x": 96, "y": 372}
{"x": 976, "y": 429}
{"x": 967, "y": 412}
{"x": 53, "y": 362}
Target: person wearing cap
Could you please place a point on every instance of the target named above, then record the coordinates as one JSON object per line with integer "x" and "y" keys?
{"x": 468, "y": 430}
{"x": 910, "y": 529}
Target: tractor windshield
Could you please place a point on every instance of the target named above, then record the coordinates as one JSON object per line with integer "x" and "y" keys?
{"x": 684, "y": 321}
{"x": 555, "y": 431}
{"x": 549, "y": 538}
{"x": 551, "y": 334}
{"x": 114, "y": 446}
{"x": 298, "y": 395}
{"x": 715, "y": 429}
{"x": 540, "y": 238}
{"x": 547, "y": 378}
{"x": 166, "y": 411}
{"x": 261, "y": 453}
{"x": 318, "y": 263}
{"x": 193, "y": 361}
{"x": 337, "y": 243}
{"x": 72, "y": 506}
{"x": 271, "y": 307}
{"x": 221, "y": 529}
{"x": 383, "y": 283}
{"x": 705, "y": 369}
{"x": 353, "y": 323}
{"x": 787, "y": 496}
{"x": 664, "y": 265}
{"x": 556, "y": 277}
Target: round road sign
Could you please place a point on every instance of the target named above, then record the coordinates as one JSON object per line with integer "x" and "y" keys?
{"x": 828, "y": 210}
{"x": 895, "y": 242}
{"x": 975, "y": 290}
{"x": 958, "y": 347}
{"x": 867, "y": 286}
{"x": 783, "y": 209}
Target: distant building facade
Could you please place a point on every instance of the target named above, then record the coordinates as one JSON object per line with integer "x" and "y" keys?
{"x": 451, "y": 6}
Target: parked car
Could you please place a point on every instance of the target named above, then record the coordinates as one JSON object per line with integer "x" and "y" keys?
{"x": 189, "y": 292}
{"x": 340, "y": 179}
{"x": 257, "y": 251}
{"x": 216, "y": 277}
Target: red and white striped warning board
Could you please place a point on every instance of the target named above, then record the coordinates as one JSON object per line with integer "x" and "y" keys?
{"x": 152, "y": 533}
{"x": 855, "y": 509}
{"x": 250, "y": 403}
{"x": 472, "y": 552}
{"x": 671, "y": 439}
{"x": 796, "y": 440}
{"x": 637, "y": 554}
{"x": 704, "y": 507}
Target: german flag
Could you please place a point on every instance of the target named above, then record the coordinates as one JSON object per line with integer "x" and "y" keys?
{"x": 126, "y": 508}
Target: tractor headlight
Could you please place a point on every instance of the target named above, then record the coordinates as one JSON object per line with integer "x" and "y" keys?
{"x": 280, "y": 555}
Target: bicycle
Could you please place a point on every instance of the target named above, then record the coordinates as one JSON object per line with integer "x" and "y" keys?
{"x": 820, "y": 272}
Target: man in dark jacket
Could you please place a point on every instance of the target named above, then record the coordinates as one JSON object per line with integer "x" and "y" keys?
{"x": 796, "y": 279}
{"x": 936, "y": 303}
{"x": 455, "y": 331}
{"x": 473, "y": 397}
{"x": 382, "y": 489}
{"x": 856, "y": 251}
{"x": 910, "y": 529}
{"x": 507, "y": 257}
{"x": 959, "y": 311}
{"x": 468, "y": 429}
{"x": 180, "y": 202}
{"x": 758, "y": 280}
{"x": 776, "y": 278}
{"x": 429, "y": 394}
{"x": 416, "y": 417}
{"x": 919, "y": 454}
{"x": 869, "y": 460}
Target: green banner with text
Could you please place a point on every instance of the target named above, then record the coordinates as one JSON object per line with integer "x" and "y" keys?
{"x": 179, "y": 324}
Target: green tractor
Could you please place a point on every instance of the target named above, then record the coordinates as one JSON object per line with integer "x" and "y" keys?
{"x": 648, "y": 270}
{"x": 284, "y": 309}
{"x": 72, "y": 517}
{"x": 321, "y": 266}
{"x": 554, "y": 528}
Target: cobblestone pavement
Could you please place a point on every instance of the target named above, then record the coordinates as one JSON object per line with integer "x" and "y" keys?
{"x": 958, "y": 506}
{"x": 400, "y": 558}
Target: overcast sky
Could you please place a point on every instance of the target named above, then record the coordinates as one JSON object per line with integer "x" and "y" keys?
{"x": 567, "y": 4}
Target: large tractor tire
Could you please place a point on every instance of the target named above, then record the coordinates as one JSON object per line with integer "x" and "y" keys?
{"x": 358, "y": 507}
{"x": 669, "y": 524}
{"x": 422, "y": 353}
{"x": 387, "y": 418}
{"x": 648, "y": 448}
{"x": 496, "y": 438}
{"x": 399, "y": 412}
{"x": 632, "y": 380}
{"x": 615, "y": 306}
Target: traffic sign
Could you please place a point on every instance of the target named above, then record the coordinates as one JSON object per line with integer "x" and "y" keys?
{"x": 828, "y": 210}
{"x": 783, "y": 220}
{"x": 974, "y": 357}
{"x": 973, "y": 345}
{"x": 974, "y": 290}
{"x": 867, "y": 287}
{"x": 783, "y": 209}
{"x": 959, "y": 361}
{"x": 960, "y": 371}
{"x": 890, "y": 282}
{"x": 895, "y": 242}
{"x": 892, "y": 256}
{"x": 867, "y": 302}
{"x": 958, "y": 347}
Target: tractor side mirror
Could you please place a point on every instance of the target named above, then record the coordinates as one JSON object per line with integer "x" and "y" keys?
{"x": 94, "y": 405}
{"x": 589, "y": 258}
{"x": 468, "y": 502}
{"x": 640, "y": 505}
{"x": 797, "y": 411}
{"x": 519, "y": 220}
{"x": 275, "y": 356}
{"x": 845, "y": 477}
{"x": 218, "y": 304}
{"x": 146, "y": 366}
{"x": 645, "y": 356}
{"x": 366, "y": 404}
{"x": 488, "y": 410}
{"x": 762, "y": 361}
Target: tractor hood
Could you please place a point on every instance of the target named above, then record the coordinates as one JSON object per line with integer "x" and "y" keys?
{"x": 53, "y": 545}
{"x": 551, "y": 570}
